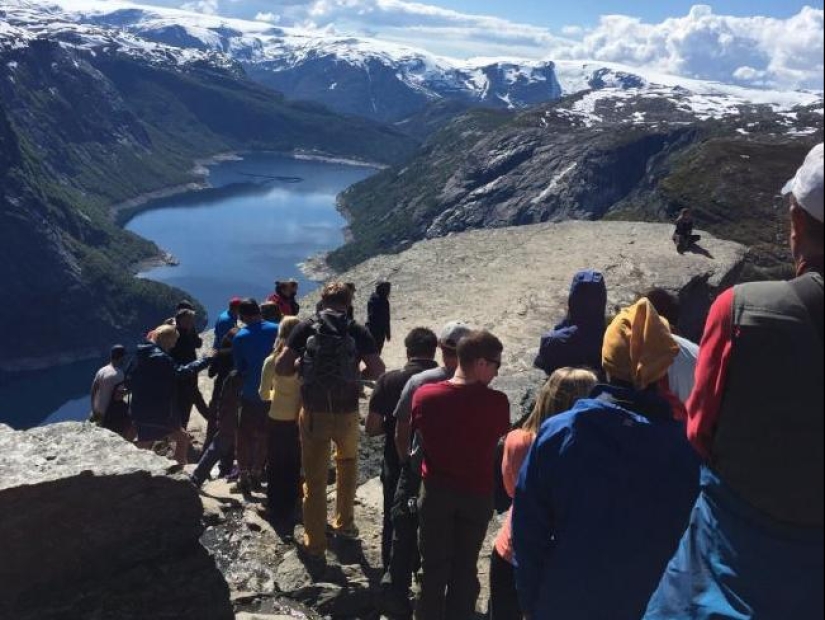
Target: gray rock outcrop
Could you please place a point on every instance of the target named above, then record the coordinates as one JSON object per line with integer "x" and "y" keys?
{"x": 93, "y": 528}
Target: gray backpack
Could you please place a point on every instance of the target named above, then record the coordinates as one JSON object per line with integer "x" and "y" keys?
{"x": 330, "y": 365}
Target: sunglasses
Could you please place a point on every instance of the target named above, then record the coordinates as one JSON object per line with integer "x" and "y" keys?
{"x": 494, "y": 362}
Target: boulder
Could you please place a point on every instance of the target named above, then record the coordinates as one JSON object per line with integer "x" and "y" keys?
{"x": 92, "y": 527}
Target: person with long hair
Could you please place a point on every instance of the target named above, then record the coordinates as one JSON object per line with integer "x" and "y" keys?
{"x": 561, "y": 391}
{"x": 284, "y": 443}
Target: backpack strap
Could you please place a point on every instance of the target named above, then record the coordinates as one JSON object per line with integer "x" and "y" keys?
{"x": 810, "y": 292}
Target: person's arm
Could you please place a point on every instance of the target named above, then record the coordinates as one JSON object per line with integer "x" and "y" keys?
{"x": 375, "y": 419}
{"x": 388, "y": 317}
{"x": 546, "y": 358}
{"x": 286, "y": 364}
{"x": 238, "y": 356}
{"x": 374, "y": 367}
{"x": 94, "y": 391}
{"x": 193, "y": 368}
{"x": 403, "y": 425}
{"x": 533, "y": 521}
{"x": 265, "y": 390}
{"x": 705, "y": 402}
{"x": 516, "y": 448}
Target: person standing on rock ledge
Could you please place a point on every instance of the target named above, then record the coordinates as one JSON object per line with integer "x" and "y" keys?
{"x": 378, "y": 314}
{"x": 754, "y": 546}
{"x": 327, "y": 351}
{"x": 460, "y": 422}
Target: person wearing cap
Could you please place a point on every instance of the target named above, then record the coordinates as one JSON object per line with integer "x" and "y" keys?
{"x": 105, "y": 381}
{"x": 421, "y": 345}
{"x": 403, "y": 559}
{"x": 754, "y": 546}
{"x": 576, "y": 342}
{"x": 607, "y": 487}
{"x": 226, "y": 321}
{"x": 250, "y": 347}
{"x": 378, "y": 314}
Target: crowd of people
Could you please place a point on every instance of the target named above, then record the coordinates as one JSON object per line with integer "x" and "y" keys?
{"x": 654, "y": 478}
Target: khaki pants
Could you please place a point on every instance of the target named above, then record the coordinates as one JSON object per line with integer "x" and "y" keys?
{"x": 318, "y": 432}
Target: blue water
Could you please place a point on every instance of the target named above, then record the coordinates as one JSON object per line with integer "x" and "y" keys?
{"x": 236, "y": 238}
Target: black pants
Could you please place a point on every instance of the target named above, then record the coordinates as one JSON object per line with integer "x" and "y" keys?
{"x": 504, "y": 604}
{"x": 452, "y": 529}
{"x": 404, "y": 559}
{"x": 283, "y": 473}
{"x": 389, "y": 481}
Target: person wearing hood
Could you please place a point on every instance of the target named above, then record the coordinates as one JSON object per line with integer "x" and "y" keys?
{"x": 754, "y": 546}
{"x": 607, "y": 487}
{"x": 576, "y": 342}
{"x": 153, "y": 383}
{"x": 378, "y": 315}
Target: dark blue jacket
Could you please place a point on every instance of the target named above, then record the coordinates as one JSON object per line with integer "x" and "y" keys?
{"x": 737, "y": 563}
{"x": 577, "y": 340}
{"x": 153, "y": 381}
{"x": 601, "y": 503}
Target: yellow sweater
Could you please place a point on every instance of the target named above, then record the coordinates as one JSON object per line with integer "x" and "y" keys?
{"x": 283, "y": 392}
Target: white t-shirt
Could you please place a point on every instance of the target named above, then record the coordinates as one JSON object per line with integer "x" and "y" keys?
{"x": 681, "y": 375}
{"x": 103, "y": 387}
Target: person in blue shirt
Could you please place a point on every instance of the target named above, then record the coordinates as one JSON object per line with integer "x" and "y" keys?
{"x": 226, "y": 321}
{"x": 250, "y": 348}
{"x": 607, "y": 488}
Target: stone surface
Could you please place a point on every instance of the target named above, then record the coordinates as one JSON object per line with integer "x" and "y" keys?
{"x": 91, "y": 524}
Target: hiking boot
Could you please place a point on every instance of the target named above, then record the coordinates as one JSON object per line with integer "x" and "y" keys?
{"x": 347, "y": 533}
{"x": 394, "y": 603}
{"x": 316, "y": 564}
{"x": 255, "y": 482}
{"x": 244, "y": 484}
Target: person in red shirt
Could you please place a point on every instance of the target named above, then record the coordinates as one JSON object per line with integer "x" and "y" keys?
{"x": 460, "y": 422}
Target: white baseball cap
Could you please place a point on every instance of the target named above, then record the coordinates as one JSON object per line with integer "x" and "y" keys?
{"x": 807, "y": 185}
{"x": 452, "y": 333}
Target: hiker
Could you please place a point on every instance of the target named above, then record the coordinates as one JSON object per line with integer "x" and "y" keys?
{"x": 421, "y": 344}
{"x": 577, "y": 341}
{"x": 327, "y": 350}
{"x": 220, "y": 446}
{"x": 185, "y": 352}
{"x": 680, "y": 376}
{"x": 226, "y": 321}
{"x": 557, "y": 395}
{"x": 404, "y": 558}
{"x": 105, "y": 381}
{"x": 153, "y": 383}
{"x": 683, "y": 236}
{"x": 283, "y": 488}
{"x": 753, "y": 548}
{"x": 286, "y": 297}
{"x": 459, "y": 422}
{"x": 607, "y": 487}
{"x": 250, "y": 348}
{"x": 378, "y": 314}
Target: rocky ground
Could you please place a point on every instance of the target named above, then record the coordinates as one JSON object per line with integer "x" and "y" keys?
{"x": 511, "y": 281}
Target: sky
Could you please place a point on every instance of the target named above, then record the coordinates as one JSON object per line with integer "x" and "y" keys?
{"x": 759, "y": 43}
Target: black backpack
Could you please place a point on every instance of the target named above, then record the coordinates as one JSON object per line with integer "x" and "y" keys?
{"x": 330, "y": 365}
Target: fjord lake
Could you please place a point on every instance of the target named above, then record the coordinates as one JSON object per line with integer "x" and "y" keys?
{"x": 262, "y": 216}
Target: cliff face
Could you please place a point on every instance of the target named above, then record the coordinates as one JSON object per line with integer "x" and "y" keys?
{"x": 83, "y": 129}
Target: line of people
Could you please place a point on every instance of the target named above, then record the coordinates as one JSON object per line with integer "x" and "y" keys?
{"x": 654, "y": 478}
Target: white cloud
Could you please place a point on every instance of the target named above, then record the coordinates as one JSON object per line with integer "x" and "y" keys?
{"x": 268, "y": 17}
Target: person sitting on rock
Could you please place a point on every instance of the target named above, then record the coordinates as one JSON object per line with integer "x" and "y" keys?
{"x": 327, "y": 350}
{"x": 606, "y": 489}
{"x": 105, "y": 381}
{"x": 153, "y": 383}
{"x": 576, "y": 342}
{"x": 559, "y": 394}
{"x": 404, "y": 558}
{"x": 683, "y": 236}
{"x": 421, "y": 344}
{"x": 459, "y": 422}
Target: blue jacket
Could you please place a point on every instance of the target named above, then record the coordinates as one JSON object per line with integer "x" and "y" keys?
{"x": 602, "y": 500}
{"x": 223, "y": 325}
{"x": 737, "y": 563}
{"x": 577, "y": 340}
{"x": 153, "y": 381}
{"x": 250, "y": 348}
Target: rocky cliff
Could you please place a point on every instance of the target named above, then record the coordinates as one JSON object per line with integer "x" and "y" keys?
{"x": 92, "y": 527}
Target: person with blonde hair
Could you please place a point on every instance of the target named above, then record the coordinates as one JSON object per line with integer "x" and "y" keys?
{"x": 559, "y": 393}
{"x": 607, "y": 487}
{"x": 284, "y": 442}
{"x": 153, "y": 383}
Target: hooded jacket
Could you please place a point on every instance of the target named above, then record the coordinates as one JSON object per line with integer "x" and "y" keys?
{"x": 577, "y": 340}
{"x": 153, "y": 383}
{"x": 378, "y": 313}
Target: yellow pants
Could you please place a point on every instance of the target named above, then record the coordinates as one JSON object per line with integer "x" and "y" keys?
{"x": 318, "y": 432}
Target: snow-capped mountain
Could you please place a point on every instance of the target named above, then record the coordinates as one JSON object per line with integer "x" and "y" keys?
{"x": 362, "y": 76}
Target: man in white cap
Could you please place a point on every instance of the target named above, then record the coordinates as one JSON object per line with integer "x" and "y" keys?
{"x": 754, "y": 546}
